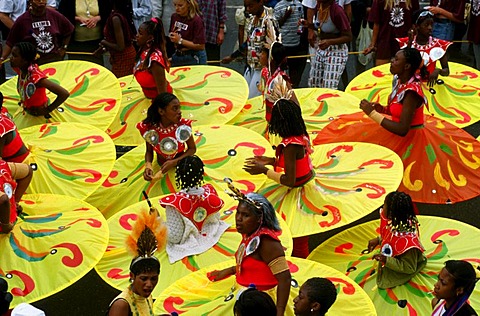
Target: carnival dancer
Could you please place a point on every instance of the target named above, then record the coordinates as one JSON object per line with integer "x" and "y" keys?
{"x": 166, "y": 133}
{"x": 14, "y": 181}
{"x": 430, "y": 148}
{"x": 12, "y": 148}
{"x": 456, "y": 282}
{"x": 148, "y": 235}
{"x": 431, "y": 49}
{"x": 260, "y": 258}
{"x": 193, "y": 218}
{"x": 401, "y": 256}
{"x": 152, "y": 62}
{"x": 259, "y": 25}
{"x": 33, "y": 83}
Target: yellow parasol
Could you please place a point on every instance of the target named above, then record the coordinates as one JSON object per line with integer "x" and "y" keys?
{"x": 68, "y": 158}
{"x": 56, "y": 241}
{"x": 94, "y": 95}
{"x": 452, "y": 99}
{"x": 319, "y": 106}
{"x": 443, "y": 239}
{"x": 195, "y": 294}
{"x": 114, "y": 266}
{"x": 207, "y": 94}
{"x": 223, "y": 149}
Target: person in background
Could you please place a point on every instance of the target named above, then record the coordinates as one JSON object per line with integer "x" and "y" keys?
{"x": 260, "y": 258}
{"x": 392, "y": 19}
{"x": 398, "y": 226}
{"x": 214, "y": 15}
{"x": 473, "y": 34}
{"x": 187, "y": 33}
{"x": 288, "y": 13}
{"x": 48, "y": 30}
{"x": 253, "y": 302}
{"x": 447, "y": 13}
{"x": 89, "y": 18}
{"x": 152, "y": 63}
{"x": 119, "y": 33}
{"x": 456, "y": 282}
{"x": 315, "y": 297}
{"x": 157, "y": 7}
{"x": 142, "y": 12}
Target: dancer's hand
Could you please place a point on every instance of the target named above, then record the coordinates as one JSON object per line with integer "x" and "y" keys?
{"x": 148, "y": 174}
{"x": 218, "y": 275}
{"x": 167, "y": 165}
{"x": 253, "y": 167}
{"x": 432, "y": 78}
{"x": 380, "y": 258}
{"x": 263, "y": 160}
{"x": 372, "y": 244}
{"x": 367, "y": 107}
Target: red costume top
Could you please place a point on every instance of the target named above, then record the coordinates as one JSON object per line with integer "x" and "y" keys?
{"x": 431, "y": 52}
{"x": 8, "y": 186}
{"x": 266, "y": 87}
{"x": 30, "y": 94}
{"x": 197, "y": 208}
{"x": 143, "y": 75}
{"x": 10, "y": 149}
{"x": 304, "y": 165}
{"x": 171, "y": 140}
{"x": 251, "y": 270}
{"x": 395, "y": 243}
{"x": 396, "y": 97}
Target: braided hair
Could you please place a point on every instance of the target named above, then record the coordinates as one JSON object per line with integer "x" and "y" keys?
{"x": 287, "y": 119}
{"x": 322, "y": 291}
{"x": 154, "y": 27}
{"x": 189, "y": 172}
{"x": 161, "y": 101}
{"x": 414, "y": 58}
{"x": 464, "y": 275}
{"x": 27, "y": 51}
{"x": 401, "y": 211}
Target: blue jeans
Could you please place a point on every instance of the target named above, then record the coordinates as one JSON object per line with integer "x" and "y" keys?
{"x": 190, "y": 58}
{"x": 443, "y": 30}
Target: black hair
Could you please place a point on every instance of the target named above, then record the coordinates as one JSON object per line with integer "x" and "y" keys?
{"x": 27, "y": 51}
{"x": 417, "y": 19}
{"x": 1, "y": 100}
{"x": 322, "y": 291}
{"x": 279, "y": 56}
{"x": 253, "y": 302}
{"x": 5, "y": 296}
{"x": 144, "y": 265}
{"x": 401, "y": 211}
{"x": 463, "y": 273}
{"x": 125, "y": 8}
{"x": 267, "y": 212}
{"x": 189, "y": 172}
{"x": 154, "y": 27}
{"x": 414, "y": 58}
{"x": 287, "y": 119}
{"x": 161, "y": 101}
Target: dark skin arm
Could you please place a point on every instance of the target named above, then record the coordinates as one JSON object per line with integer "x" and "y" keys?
{"x": 148, "y": 173}
{"x": 286, "y": 15}
{"x": 119, "y": 44}
{"x": 292, "y": 152}
{"x": 410, "y": 103}
{"x": 445, "y": 71}
{"x": 158, "y": 73}
{"x": 269, "y": 250}
{"x": 62, "y": 95}
{"x": 119, "y": 308}
{"x": 23, "y": 180}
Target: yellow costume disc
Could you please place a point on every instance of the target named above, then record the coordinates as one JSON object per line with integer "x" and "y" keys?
{"x": 453, "y": 100}
{"x": 443, "y": 239}
{"x": 68, "y": 158}
{"x": 94, "y": 99}
{"x": 223, "y": 150}
{"x": 351, "y": 180}
{"x": 56, "y": 241}
{"x": 195, "y": 294}
{"x": 207, "y": 94}
{"x": 114, "y": 266}
{"x": 319, "y": 107}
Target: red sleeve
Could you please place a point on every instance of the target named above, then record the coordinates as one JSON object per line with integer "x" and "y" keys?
{"x": 158, "y": 57}
{"x": 36, "y": 74}
{"x": 339, "y": 18}
{"x": 403, "y": 42}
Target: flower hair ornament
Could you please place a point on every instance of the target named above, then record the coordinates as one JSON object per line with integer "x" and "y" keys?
{"x": 278, "y": 89}
{"x": 149, "y": 233}
{"x": 239, "y": 196}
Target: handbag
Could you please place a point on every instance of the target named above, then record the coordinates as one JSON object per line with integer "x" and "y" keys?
{"x": 363, "y": 41}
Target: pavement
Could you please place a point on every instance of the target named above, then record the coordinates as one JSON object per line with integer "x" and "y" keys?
{"x": 90, "y": 296}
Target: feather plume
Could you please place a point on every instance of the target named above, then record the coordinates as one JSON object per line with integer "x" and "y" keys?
{"x": 149, "y": 233}
{"x": 278, "y": 89}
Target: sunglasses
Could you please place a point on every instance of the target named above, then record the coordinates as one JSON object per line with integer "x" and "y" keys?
{"x": 425, "y": 13}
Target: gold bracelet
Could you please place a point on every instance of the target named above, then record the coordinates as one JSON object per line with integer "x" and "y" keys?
{"x": 148, "y": 165}
{"x": 377, "y": 117}
{"x": 278, "y": 265}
